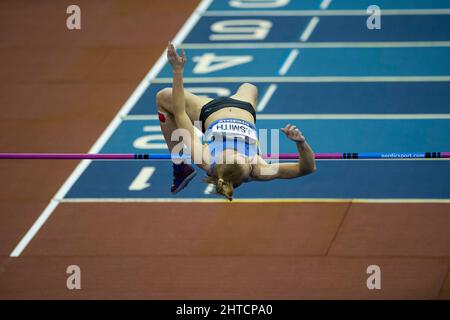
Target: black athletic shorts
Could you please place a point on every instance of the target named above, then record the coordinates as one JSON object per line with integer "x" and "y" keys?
{"x": 224, "y": 102}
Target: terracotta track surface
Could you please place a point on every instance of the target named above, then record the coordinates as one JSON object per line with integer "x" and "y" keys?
{"x": 59, "y": 89}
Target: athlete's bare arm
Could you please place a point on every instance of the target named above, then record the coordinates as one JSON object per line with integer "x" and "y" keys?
{"x": 179, "y": 108}
{"x": 306, "y": 164}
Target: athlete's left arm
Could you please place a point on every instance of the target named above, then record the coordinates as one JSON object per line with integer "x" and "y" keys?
{"x": 306, "y": 164}
{"x": 182, "y": 119}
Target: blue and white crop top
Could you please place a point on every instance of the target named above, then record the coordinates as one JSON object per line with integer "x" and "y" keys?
{"x": 236, "y": 134}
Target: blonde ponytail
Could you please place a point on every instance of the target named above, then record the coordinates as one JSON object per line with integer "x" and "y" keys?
{"x": 225, "y": 188}
{"x": 224, "y": 178}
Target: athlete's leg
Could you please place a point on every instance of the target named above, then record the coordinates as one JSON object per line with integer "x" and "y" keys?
{"x": 182, "y": 173}
{"x": 164, "y": 104}
{"x": 247, "y": 92}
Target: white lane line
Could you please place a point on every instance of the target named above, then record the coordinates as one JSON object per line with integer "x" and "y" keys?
{"x": 187, "y": 27}
{"x": 288, "y": 62}
{"x": 308, "y": 13}
{"x": 310, "y": 79}
{"x": 253, "y": 200}
{"x": 34, "y": 228}
{"x": 326, "y": 116}
{"x": 290, "y": 45}
{"x": 309, "y": 29}
{"x": 266, "y": 98}
{"x": 324, "y": 4}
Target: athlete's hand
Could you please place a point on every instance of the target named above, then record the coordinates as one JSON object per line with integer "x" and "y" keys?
{"x": 175, "y": 60}
{"x": 293, "y": 133}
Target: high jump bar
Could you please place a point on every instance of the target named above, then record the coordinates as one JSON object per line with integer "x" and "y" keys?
{"x": 281, "y": 156}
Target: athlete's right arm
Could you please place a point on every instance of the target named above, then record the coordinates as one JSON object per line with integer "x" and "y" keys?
{"x": 179, "y": 109}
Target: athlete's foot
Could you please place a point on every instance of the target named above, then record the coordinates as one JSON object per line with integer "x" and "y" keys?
{"x": 182, "y": 175}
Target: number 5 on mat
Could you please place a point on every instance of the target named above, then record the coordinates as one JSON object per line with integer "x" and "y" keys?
{"x": 141, "y": 181}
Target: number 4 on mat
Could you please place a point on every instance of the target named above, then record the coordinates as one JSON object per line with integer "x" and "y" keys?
{"x": 141, "y": 181}
{"x": 210, "y": 62}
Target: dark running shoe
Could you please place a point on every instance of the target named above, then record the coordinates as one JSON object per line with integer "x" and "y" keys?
{"x": 182, "y": 174}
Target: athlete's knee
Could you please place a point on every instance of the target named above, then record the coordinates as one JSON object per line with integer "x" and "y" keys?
{"x": 164, "y": 97}
{"x": 249, "y": 86}
{"x": 163, "y": 103}
{"x": 248, "y": 92}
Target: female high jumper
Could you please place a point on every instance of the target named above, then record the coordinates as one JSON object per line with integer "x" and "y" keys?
{"x": 227, "y": 164}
